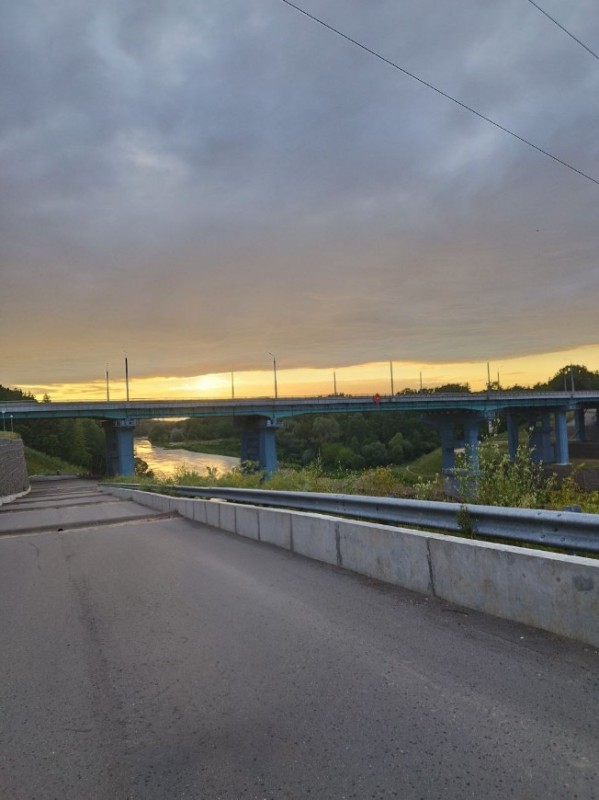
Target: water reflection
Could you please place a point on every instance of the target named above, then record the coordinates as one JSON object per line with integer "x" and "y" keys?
{"x": 164, "y": 462}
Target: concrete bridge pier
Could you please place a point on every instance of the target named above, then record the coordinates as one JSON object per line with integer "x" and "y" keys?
{"x": 120, "y": 459}
{"x": 471, "y": 426}
{"x": 457, "y": 431}
{"x": 580, "y": 433}
{"x": 513, "y": 436}
{"x": 448, "y": 444}
{"x": 259, "y": 442}
{"x": 539, "y": 439}
{"x": 562, "y": 453}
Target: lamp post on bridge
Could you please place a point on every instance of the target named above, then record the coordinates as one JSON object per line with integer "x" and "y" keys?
{"x": 274, "y": 367}
{"x": 127, "y": 376}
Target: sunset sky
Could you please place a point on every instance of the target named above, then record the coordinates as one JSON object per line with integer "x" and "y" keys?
{"x": 199, "y": 184}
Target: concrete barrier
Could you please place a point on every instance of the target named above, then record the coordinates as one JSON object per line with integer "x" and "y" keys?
{"x": 559, "y": 593}
{"x": 246, "y": 520}
{"x": 274, "y": 527}
{"x": 392, "y": 555}
{"x": 315, "y": 536}
{"x": 546, "y": 590}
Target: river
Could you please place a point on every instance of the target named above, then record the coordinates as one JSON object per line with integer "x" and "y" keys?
{"x": 164, "y": 462}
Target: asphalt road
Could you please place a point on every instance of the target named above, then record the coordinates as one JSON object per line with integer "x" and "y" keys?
{"x": 158, "y": 658}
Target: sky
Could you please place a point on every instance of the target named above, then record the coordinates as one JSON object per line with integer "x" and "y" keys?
{"x": 200, "y": 184}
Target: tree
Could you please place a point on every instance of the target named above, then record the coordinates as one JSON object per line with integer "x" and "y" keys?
{"x": 453, "y": 388}
{"x": 325, "y": 429}
{"x": 398, "y": 448}
{"x": 572, "y": 375}
{"x": 375, "y": 454}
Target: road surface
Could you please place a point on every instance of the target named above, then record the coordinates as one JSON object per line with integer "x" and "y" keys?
{"x": 157, "y": 658}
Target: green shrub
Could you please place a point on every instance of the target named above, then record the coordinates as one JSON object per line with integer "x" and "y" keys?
{"x": 496, "y": 481}
{"x": 430, "y": 489}
{"x": 569, "y": 493}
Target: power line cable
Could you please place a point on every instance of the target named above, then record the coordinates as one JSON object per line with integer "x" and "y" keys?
{"x": 565, "y": 30}
{"x": 439, "y": 91}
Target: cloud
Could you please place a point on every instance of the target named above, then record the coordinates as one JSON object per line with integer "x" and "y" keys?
{"x": 199, "y": 183}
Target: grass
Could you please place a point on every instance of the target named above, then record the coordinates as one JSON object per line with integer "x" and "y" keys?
{"x": 378, "y": 482}
{"x": 426, "y": 466}
{"x": 43, "y": 464}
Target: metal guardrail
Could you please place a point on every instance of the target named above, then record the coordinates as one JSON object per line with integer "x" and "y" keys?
{"x": 568, "y": 530}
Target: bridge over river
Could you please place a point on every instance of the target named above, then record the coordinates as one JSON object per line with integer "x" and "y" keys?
{"x": 458, "y": 417}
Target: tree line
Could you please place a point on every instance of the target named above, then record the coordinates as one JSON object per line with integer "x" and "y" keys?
{"x": 78, "y": 441}
{"x": 347, "y": 441}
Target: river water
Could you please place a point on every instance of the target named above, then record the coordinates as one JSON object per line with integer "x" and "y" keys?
{"x": 164, "y": 461}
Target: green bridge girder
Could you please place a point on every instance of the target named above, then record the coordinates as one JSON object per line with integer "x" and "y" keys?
{"x": 483, "y": 402}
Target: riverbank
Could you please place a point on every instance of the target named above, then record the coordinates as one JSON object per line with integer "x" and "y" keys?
{"x": 218, "y": 447}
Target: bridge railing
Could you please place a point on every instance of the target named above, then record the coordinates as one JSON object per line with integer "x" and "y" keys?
{"x": 492, "y": 400}
{"x": 567, "y": 530}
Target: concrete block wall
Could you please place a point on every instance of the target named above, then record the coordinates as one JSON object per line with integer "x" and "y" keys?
{"x": 558, "y": 593}
{"x": 14, "y": 480}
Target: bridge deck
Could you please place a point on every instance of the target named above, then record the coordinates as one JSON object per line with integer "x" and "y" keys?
{"x": 293, "y": 406}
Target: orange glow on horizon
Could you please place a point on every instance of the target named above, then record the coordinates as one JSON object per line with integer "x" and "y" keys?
{"x": 361, "y": 379}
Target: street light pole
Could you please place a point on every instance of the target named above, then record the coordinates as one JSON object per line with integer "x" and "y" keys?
{"x": 127, "y": 376}
{"x": 391, "y": 369}
{"x": 274, "y": 367}
{"x": 107, "y": 388}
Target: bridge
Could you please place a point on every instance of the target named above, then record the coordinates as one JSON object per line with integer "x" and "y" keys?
{"x": 458, "y": 417}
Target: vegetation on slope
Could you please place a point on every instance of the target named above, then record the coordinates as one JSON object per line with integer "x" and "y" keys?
{"x": 43, "y": 464}
{"x": 78, "y": 442}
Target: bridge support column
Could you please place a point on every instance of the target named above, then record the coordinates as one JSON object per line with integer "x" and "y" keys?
{"x": 447, "y": 444}
{"x": 120, "y": 459}
{"x": 512, "y": 435}
{"x": 450, "y": 428}
{"x": 471, "y": 431}
{"x": 561, "y": 438}
{"x": 540, "y": 440}
{"x": 579, "y": 425}
{"x": 259, "y": 442}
